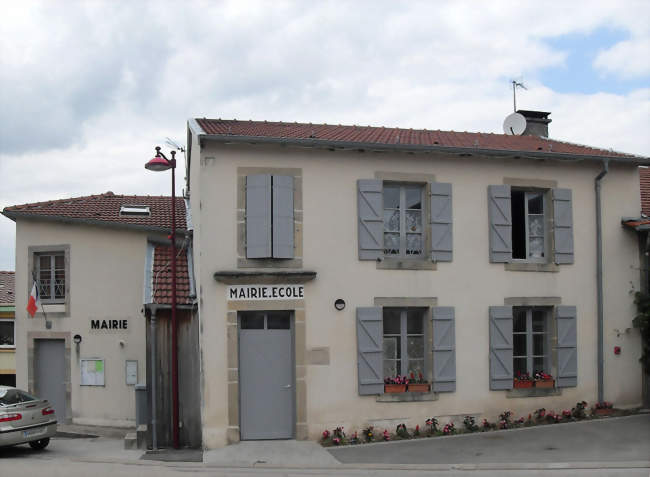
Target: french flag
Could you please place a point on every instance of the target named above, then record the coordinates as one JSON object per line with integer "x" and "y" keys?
{"x": 34, "y": 301}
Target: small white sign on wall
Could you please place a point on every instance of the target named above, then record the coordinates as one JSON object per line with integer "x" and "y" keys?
{"x": 92, "y": 372}
{"x": 131, "y": 372}
{"x": 265, "y": 292}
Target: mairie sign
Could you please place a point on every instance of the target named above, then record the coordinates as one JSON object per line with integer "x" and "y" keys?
{"x": 265, "y": 292}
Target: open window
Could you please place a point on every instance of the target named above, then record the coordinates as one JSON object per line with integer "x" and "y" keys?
{"x": 7, "y": 334}
{"x": 533, "y": 225}
{"x": 528, "y": 225}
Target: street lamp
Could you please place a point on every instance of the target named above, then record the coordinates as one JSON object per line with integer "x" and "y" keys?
{"x": 158, "y": 164}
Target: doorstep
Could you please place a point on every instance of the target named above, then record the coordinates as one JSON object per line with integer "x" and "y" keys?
{"x": 272, "y": 453}
{"x": 174, "y": 455}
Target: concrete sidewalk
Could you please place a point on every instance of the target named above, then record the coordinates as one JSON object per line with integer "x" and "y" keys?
{"x": 614, "y": 440}
{"x": 76, "y": 430}
{"x": 292, "y": 454}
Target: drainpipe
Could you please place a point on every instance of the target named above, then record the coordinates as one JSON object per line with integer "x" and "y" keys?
{"x": 599, "y": 278}
{"x": 154, "y": 436}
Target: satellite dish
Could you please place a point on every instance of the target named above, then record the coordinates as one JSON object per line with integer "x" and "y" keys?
{"x": 514, "y": 124}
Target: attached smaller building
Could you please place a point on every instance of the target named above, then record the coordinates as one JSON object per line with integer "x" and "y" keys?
{"x": 7, "y": 329}
{"x": 92, "y": 258}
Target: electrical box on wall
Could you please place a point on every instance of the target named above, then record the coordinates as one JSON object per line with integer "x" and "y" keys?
{"x": 131, "y": 372}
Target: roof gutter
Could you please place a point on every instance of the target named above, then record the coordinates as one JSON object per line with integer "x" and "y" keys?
{"x": 412, "y": 148}
{"x": 599, "y": 277}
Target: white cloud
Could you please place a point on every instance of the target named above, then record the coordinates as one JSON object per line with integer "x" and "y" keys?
{"x": 627, "y": 59}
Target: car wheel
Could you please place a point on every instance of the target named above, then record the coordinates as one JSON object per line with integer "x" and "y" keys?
{"x": 40, "y": 444}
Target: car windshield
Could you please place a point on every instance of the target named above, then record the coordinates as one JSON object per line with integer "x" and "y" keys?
{"x": 15, "y": 396}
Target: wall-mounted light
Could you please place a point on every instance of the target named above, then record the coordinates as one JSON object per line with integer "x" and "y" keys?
{"x": 339, "y": 304}
{"x": 77, "y": 339}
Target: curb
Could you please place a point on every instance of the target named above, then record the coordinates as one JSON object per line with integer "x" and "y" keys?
{"x": 412, "y": 467}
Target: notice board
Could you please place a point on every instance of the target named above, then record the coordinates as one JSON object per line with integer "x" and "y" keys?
{"x": 92, "y": 372}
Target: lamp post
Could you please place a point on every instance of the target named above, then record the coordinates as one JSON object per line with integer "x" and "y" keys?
{"x": 158, "y": 164}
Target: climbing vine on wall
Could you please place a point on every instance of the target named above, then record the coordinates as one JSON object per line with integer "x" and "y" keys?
{"x": 642, "y": 322}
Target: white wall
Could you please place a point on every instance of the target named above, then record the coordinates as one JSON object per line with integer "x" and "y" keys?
{"x": 470, "y": 283}
{"x": 106, "y": 282}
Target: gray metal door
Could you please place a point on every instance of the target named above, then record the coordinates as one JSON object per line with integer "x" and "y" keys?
{"x": 266, "y": 375}
{"x": 49, "y": 373}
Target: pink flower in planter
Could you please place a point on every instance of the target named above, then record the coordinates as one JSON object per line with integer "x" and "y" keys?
{"x": 336, "y": 441}
{"x": 326, "y": 434}
{"x": 386, "y": 435}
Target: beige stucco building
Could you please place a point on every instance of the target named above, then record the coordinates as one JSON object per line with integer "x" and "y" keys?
{"x": 466, "y": 257}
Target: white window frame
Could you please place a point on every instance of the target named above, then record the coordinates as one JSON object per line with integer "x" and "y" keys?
{"x": 545, "y": 216}
{"x": 529, "y": 333}
{"x": 52, "y": 269}
{"x": 423, "y": 255}
{"x": 10, "y": 320}
{"x": 404, "y": 335}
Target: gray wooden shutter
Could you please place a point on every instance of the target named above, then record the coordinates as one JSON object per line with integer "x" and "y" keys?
{"x": 563, "y": 225}
{"x": 500, "y": 216}
{"x": 567, "y": 349}
{"x": 441, "y": 221}
{"x": 444, "y": 349}
{"x": 283, "y": 217}
{"x": 501, "y": 373}
{"x": 370, "y": 201}
{"x": 370, "y": 352}
{"x": 258, "y": 216}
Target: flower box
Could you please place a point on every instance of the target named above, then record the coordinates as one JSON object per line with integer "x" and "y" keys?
{"x": 394, "y": 388}
{"x": 419, "y": 387}
{"x": 603, "y": 412}
{"x": 545, "y": 383}
{"x": 522, "y": 384}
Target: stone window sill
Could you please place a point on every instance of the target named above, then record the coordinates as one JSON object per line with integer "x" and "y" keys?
{"x": 407, "y": 397}
{"x": 531, "y": 267}
{"x": 532, "y": 392}
{"x": 390, "y": 263}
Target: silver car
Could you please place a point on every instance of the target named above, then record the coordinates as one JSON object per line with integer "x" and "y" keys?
{"x": 25, "y": 419}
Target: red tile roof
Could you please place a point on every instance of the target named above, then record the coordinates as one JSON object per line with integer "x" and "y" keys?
{"x": 644, "y": 174}
{"x": 105, "y": 209}
{"x": 398, "y": 137}
{"x": 162, "y": 277}
{"x": 7, "y": 288}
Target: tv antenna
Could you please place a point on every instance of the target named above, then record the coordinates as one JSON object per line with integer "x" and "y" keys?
{"x": 515, "y": 85}
{"x": 173, "y": 144}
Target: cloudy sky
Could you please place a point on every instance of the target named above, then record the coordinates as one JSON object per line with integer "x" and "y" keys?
{"x": 87, "y": 89}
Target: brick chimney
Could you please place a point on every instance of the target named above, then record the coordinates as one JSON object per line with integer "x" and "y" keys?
{"x": 536, "y": 122}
